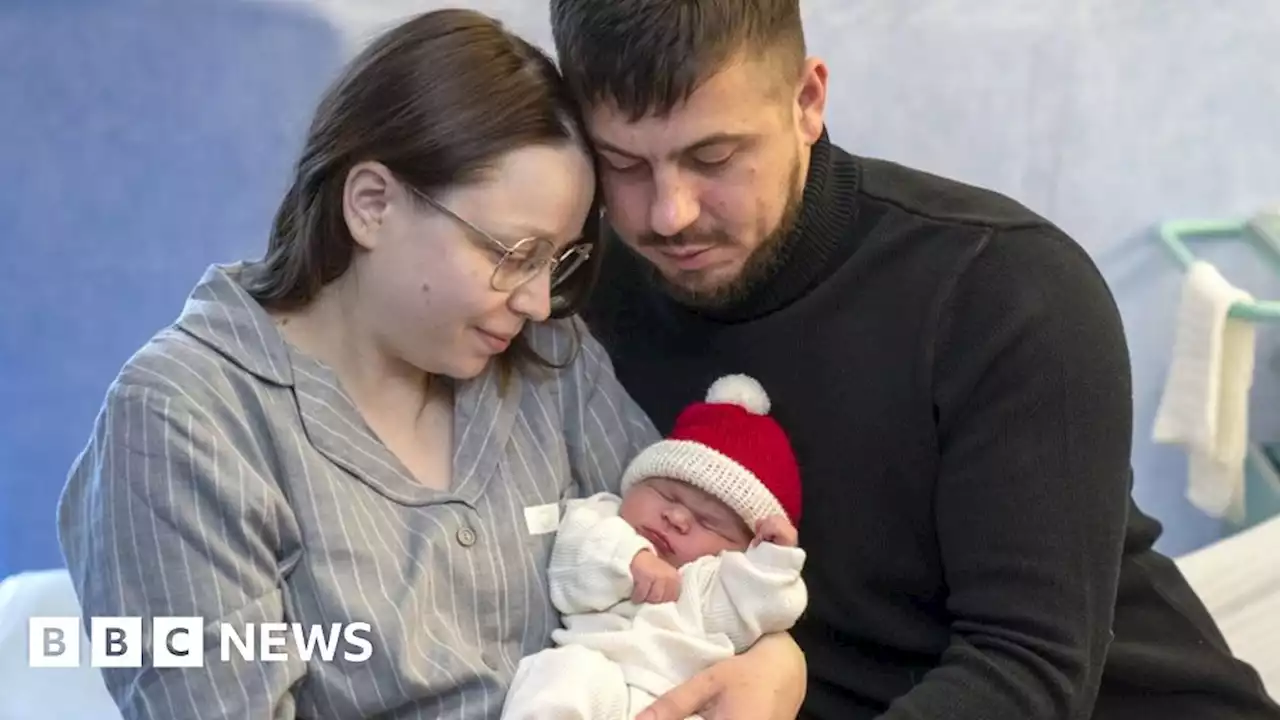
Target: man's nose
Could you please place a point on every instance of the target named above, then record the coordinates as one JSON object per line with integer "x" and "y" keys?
{"x": 675, "y": 204}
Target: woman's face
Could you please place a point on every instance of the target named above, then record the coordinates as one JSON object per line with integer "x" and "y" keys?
{"x": 424, "y": 280}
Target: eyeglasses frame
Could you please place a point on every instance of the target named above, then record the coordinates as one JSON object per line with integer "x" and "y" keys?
{"x": 577, "y": 250}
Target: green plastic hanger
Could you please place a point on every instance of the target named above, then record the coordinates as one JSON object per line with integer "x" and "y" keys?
{"x": 1263, "y": 230}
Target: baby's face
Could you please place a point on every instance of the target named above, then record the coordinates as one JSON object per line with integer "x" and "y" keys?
{"x": 683, "y": 522}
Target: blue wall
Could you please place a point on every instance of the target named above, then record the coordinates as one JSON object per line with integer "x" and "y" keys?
{"x": 142, "y": 141}
{"x": 145, "y": 140}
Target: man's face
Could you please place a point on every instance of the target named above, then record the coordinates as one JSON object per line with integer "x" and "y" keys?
{"x": 707, "y": 192}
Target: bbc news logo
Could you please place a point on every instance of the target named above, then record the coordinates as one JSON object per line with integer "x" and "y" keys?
{"x": 180, "y": 642}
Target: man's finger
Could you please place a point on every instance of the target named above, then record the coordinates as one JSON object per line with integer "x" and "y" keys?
{"x": 689, "y": 698}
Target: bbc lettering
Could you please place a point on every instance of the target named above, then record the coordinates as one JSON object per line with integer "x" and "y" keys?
{"x": 178, "y": 642}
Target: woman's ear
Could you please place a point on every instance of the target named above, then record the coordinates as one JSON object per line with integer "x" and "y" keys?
{"x": 365, "y": 199}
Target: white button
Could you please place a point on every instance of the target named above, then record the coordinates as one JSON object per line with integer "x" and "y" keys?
{"x": 466, "y": 537}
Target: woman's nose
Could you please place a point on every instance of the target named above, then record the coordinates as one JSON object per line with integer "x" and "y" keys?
{"x": 533, "y": 298}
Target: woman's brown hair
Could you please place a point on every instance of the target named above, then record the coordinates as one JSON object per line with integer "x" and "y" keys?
{"x": 436, "y": 100}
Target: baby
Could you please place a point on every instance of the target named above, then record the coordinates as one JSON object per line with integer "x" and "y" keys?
{"x": 694, "y": 563}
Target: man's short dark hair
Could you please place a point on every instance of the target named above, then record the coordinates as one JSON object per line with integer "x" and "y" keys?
{"x": 647, "y": 56}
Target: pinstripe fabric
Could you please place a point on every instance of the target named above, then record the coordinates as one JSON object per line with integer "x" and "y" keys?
{"x": 229, "y": 477}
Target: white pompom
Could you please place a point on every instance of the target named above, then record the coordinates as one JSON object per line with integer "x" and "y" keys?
{"x": 741, "y": 390}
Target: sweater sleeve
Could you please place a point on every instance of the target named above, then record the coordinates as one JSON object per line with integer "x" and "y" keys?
{"x": 747, "y": 595}
{"x": 1031, "y": 388}
{"x": 590, "y": 569}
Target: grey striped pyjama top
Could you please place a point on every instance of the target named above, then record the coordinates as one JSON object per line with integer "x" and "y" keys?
{"x": 228, "y": 477}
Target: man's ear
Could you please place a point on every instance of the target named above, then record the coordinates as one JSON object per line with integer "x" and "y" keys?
{"x": 811, "y": 99}
{"x": 365, "y": 199}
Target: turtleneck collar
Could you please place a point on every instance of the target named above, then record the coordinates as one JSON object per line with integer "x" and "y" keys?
{"x": 815, "y": 246}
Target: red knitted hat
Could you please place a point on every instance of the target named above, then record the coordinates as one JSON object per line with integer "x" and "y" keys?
{"x": 730, "y": 447}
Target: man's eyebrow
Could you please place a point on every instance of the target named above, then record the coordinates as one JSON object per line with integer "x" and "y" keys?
{"x": 712, "y": 139}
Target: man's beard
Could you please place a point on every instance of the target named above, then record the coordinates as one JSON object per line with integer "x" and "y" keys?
{"x": 758, "y": 269}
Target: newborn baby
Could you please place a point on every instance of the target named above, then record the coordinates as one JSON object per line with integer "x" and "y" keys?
{"x": 692, "y": 564}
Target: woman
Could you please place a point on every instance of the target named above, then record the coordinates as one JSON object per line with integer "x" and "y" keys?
{"x": 375, "y": 423}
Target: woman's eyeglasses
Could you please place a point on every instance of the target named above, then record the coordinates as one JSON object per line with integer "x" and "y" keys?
{"x": 522, "y": 261}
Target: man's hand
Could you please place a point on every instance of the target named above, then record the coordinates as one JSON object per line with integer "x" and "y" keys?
{"x": 656, "y": 580}
{"x": 767, "y": 682}
{"x": 776, "y": 529}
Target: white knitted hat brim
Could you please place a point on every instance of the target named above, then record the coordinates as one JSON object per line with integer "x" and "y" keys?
{"x": 710, "y": 470}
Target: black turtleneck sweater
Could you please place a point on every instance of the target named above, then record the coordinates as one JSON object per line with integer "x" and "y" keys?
{"x": 953, "y": 374}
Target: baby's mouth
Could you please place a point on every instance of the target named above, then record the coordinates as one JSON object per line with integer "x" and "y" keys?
{"x": 660, "y": 542}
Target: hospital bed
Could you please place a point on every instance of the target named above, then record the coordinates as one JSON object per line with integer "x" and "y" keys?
{"x": 1238, "y": 578}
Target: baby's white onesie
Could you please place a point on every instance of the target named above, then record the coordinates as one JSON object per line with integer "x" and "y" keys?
{"x": 614, "y": 657}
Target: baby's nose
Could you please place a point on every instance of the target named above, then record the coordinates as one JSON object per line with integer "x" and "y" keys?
{"x": 678, "y": 516}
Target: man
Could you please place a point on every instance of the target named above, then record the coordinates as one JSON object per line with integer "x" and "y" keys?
{"x": 951, "y": 366}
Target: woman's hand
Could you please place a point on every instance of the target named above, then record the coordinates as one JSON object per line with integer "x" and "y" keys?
{"x": 766, "y": 682}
